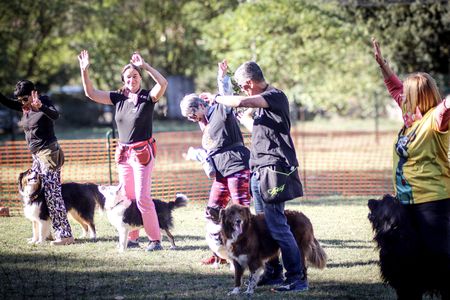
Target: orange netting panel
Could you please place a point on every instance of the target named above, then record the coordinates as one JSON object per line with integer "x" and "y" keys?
{"x": 331, "y": 164}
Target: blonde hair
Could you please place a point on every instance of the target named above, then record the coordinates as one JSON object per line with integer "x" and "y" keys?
{"x": 420, "y": 90}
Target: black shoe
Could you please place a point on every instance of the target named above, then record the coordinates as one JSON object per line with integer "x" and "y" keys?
{"x": 272, "y": 279}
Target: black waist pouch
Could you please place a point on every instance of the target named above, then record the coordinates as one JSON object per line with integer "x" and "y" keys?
{"x": 279, "y": 183}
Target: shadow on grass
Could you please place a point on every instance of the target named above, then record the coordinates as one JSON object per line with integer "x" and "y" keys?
{"x": 63, "y": 276}
{"x": 349, "y": 244}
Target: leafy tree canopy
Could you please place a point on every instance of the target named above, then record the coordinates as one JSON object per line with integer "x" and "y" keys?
{"x": 318, "y": 52}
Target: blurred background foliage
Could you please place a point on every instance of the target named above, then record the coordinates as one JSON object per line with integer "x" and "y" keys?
{"x": 318, "y": 52}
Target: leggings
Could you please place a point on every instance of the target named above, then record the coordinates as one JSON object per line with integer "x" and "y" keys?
{"x": 51, "y": 181}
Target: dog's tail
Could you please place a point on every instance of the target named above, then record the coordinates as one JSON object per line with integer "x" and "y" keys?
{"x": 315, "y": 255}
{"x": 180, "y": 201}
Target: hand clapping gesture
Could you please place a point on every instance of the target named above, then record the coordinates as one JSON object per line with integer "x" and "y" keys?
{"x": 83, "y": 58}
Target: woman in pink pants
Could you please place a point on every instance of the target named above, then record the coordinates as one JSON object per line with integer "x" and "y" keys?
{"x": 135, "y": 152}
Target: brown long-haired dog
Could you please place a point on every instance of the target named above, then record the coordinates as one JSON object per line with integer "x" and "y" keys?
{"x": 249, "y": 243}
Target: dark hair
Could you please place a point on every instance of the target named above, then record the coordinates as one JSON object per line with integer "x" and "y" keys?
{"x": 23, "y": 88}
{"x": 250, "y": 70}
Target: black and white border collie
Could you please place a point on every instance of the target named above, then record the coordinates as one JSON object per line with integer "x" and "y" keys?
{"x": 80, "y": 201}
{"x": 125, "y": 216}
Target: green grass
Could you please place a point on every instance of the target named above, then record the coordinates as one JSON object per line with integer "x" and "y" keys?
{"x": 88, "y": 270}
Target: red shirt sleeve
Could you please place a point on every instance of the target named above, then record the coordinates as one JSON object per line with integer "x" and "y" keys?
{"x": 395, "y": 88}
{"x": 442, "y": 114}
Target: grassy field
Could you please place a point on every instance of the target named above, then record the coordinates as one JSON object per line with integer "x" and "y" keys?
{"x": 88, "y": 270}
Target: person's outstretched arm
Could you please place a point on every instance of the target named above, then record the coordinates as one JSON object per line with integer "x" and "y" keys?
{"x": 161, "y": 83}
{"x": 93, "y": 94}
{"x": 392, "y": 82}
{"x": 10, "y": 103}
{"x": 382, "y": 62}
{"x": 254, "y": 101}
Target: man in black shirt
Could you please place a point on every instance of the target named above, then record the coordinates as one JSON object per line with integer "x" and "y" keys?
{"x": 272, "y": 149}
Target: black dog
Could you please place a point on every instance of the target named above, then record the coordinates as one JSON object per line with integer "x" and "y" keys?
{"x": 404, "y": 262}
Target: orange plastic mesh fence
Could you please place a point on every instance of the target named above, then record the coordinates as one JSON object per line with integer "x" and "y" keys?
{"x": 331, "y": 164}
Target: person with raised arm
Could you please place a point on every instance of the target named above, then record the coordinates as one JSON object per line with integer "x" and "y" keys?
{"x": 421, "y": 169}
{"x": 136, "y": 149}
{"x": 273, "y": 162}
{"x": 38, "y": 118}
{"x": 223, "y": 148}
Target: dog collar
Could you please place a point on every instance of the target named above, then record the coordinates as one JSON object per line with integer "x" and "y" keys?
{"x": 35, "y": 195}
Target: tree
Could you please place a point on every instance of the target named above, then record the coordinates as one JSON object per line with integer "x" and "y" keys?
{"x": 35, "y": 35}
{"x": 320, "y": 53}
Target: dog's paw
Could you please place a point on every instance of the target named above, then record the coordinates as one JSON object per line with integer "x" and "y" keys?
{"x": 215, "y": 265}
{"x": 173, "y": 248}
{"x": 235, "y": 291}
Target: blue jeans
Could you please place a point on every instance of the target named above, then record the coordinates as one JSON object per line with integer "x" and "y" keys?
{"x": 280, "y": 231}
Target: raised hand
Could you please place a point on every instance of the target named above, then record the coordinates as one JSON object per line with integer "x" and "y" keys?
{"x": 83, "y": 58}
{"x": 137, "y": 60}
{"x": 223, "y": 67}
{"x": 35, "y": 102}
{"x": 377, "y": 52}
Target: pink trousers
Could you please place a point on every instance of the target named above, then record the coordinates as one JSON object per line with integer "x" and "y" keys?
{"x": 137, "y": 180}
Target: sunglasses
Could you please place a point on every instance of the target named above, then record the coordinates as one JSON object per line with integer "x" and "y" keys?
{"x": 23, "y": 99}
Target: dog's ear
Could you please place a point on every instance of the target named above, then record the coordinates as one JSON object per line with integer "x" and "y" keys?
{"x": 21, "y": 178}
{"x": 372, "y": 204}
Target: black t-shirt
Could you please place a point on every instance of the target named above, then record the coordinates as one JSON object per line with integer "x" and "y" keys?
{"x": 134, "y": 122}
{"x": 271, "y": 139}
{"x": 37, "y": 125}
{"x": 229, "y": 153}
